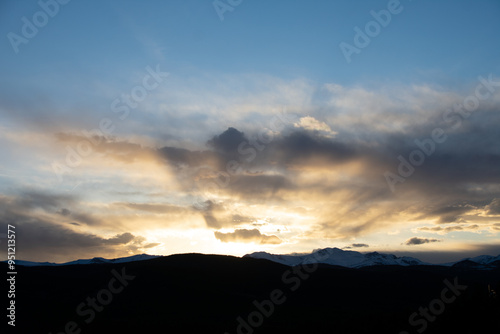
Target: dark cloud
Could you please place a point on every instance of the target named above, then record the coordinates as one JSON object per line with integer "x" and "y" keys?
{"x": 211, "y": 221}
{"x": 217, "y": 216}
{"x": 207, "y": 209}
{"x": 29, "y": 200}
{"x": 356, "y": 246}
{"x": 359, "y": 245}
{"x": 260, "y": 168}
{"x": 42, "y": 239}
{"x": 137, "y": 242}
{"x": 84, "y": 218}
{"x": 182, "y": 157}
{"x": 262, "y": 185}
{"x": 494, "y": 207}
{"x": 457, "y": 207}
{"x": 301, "y": 146}
{"x": 419, "y": 241}
{"x": 45, "y": 236}
{"x": 243, "y": 235}
{"x": 451, "y": 214}
{"x": 228, "y": 141}
{"x": 276, "y": 151}
{"x": 25, "y": 202}
{"x": 64, "y": 212}
{"x": 118, "y": 239}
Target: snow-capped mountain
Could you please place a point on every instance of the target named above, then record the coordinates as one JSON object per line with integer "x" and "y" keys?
{"x": 133, "y": 258}
{"x": 485, "y": 259}
{"x": 478, "y": 262}
{"x": 339, "y": 257}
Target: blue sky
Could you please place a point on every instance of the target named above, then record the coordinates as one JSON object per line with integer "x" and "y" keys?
{"x": 444, "y": 41}
{"x": 346, "y": 123}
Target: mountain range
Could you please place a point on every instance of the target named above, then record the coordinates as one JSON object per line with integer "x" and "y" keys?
{"x": 95, "y": 260}
{"x": 331, "y": 256}
{"x": 353, "y": 259}
{"x": 197, "y": 293}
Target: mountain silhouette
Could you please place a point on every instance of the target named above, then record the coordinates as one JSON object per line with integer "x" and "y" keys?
{"x": 196, "y": 293}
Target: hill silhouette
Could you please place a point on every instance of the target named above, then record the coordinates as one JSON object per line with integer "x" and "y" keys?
{"x": 195, "y": 293}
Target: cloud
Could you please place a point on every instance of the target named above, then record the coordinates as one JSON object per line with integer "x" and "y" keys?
{"x": 29, "y": 200}
{"x": 356, "y": 246}
{"x": 179, "y": 157}
{"x": 450, "y": 214}
{"x": 260, "y": 185}
{"x": 218, "y": 214}
{"x": 118, "y": 239}
{"x": 494, "y": 207}
{"x": 359, "y": 245}
{"x": 244, "y": 235}
{"x": 228, "y": 141}
{"x": 299, "y": 147}
{"x": 64, "y": 212}
{"x": 449, "y": 229}
{"x": 119, "y": 149}
{"x": 300, "y": 163}
{"x": 328, "y": 158}
{"x": 159, "y": 208}
{"x": 311, "y": 124}
{"x": 49, "y": 230}
{"x": 208, "y": 209}
{"x": 211, "y": 221}
{"x": 43, "y": 239}
{"x": 419, "y": 241}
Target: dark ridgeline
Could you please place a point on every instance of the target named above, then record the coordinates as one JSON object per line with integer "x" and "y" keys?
{"x": 193, "y": 293}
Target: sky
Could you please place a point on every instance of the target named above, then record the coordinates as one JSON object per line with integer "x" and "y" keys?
{"x": 235, "y": 126}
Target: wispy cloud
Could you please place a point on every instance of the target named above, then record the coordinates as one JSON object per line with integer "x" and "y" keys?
{"x": 243, "y": 235}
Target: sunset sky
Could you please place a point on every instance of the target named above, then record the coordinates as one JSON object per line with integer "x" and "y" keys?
{"x": 230, "y": 127}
